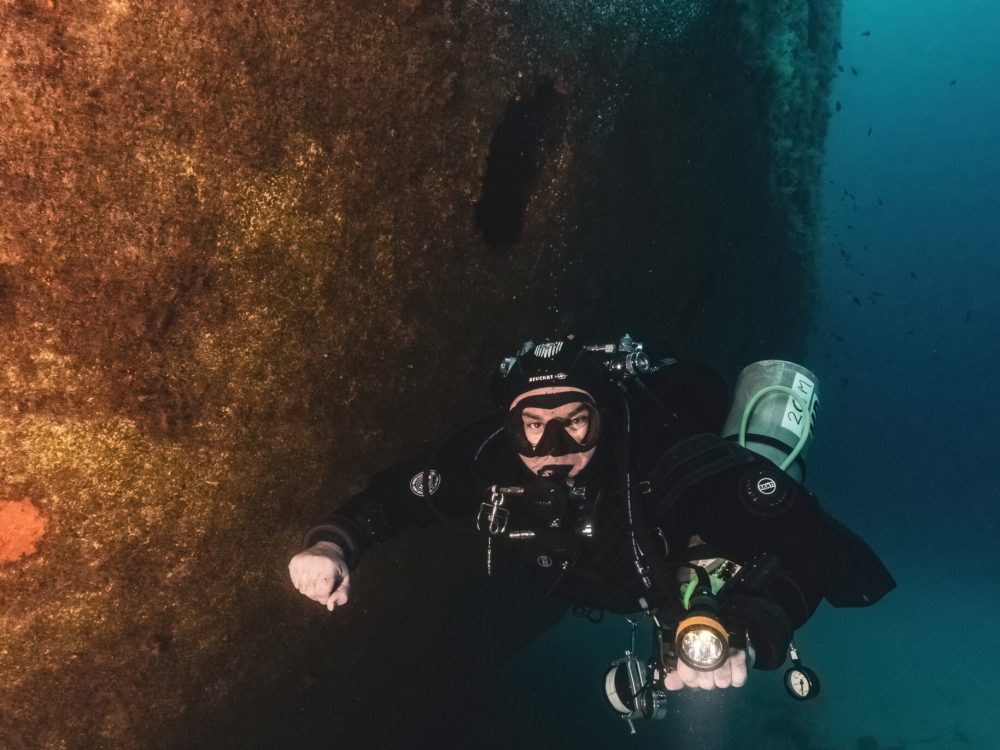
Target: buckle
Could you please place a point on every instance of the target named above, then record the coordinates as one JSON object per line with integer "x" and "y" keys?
{"x": 492, "y": 514}
{"x": 493, "y": 517}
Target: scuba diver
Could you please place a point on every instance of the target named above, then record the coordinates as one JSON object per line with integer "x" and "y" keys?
{"x": 634, "y": 485}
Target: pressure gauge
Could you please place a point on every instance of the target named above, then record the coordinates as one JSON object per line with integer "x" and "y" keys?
{"x": 801, "y": 683}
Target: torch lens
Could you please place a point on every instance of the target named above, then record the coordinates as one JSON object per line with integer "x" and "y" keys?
{"x": 702, "y": 644}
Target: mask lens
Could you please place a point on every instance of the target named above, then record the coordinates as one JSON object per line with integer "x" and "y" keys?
{"x": 555, "y": 440}
{"x": 574, "y": 432}
{"x": 561, "y": 435}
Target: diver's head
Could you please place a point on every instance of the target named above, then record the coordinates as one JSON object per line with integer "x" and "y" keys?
{"x": 554, "y": 430}
{"x": 553, "y": 394}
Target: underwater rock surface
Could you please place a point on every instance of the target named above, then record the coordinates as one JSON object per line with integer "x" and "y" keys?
{"x": 252, "y": 252}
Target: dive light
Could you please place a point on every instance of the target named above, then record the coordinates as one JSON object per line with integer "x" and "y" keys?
{"x": 701, "y": 641}
{"x": 693, "y": 633}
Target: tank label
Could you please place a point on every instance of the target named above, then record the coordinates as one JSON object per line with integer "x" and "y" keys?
{"x": 799, "y": 404}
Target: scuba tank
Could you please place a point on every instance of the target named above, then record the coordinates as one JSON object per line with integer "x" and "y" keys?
{"x": 774, "y": 408}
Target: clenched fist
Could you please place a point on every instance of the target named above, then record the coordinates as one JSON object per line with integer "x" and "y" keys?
{"x": 321, "y": 573}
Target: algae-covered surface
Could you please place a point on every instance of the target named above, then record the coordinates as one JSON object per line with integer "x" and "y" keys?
{"x": 250, "y": 253}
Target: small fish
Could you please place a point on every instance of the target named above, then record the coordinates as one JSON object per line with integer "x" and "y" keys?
{"x": 839, "y": 106}
{"x": 854, "y": 71}
{"x": 879, "y": 201}
{"x": 865, "y": 247}
{"x": 856, "y": 300}
{"x": 968, "y": 314}
{"x": 876, "y": 294}
{"x": 912, "y": 275}
{"x": 843, "y": 382}
{"x": 866, "y": 33}
{"x": 953, "y": 82}
{"x": 869, "y": 132}
{"x": 839, "y": 45}
{"x": 850, "y": 226}
{"x": 840, "y": 68}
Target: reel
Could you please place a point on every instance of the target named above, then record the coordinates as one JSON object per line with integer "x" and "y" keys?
{"x": 635, "y": 689}
{"x": 629, "y": 688}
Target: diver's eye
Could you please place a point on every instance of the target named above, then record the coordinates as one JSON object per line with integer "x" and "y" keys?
{"x": 533, "y": 425}
{"x": 581, "y": 421}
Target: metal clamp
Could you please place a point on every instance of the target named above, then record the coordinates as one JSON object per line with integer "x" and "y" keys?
{"x": 493, "y": 517}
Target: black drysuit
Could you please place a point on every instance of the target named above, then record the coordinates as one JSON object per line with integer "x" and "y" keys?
{"x": 683, "y": 481}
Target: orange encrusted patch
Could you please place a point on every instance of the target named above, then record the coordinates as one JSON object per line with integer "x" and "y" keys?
{"x": 21, "y": 527}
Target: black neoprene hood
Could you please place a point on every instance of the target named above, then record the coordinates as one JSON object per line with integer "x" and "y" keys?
{"x": 561, "y": 364}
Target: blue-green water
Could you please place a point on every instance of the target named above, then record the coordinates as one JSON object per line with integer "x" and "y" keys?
{"x": 906, "y": 347}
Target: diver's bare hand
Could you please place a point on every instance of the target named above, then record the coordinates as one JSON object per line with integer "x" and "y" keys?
{"x": 731, "y": 674}
{"x": 321, "y": 573}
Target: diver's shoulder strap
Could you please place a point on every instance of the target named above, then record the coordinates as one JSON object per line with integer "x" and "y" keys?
{"x": 860, "y": 578}
{"x": 689, "y": 462}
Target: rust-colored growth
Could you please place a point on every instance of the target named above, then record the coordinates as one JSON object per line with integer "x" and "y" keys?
{"x": 251, "y": 253}
{"x": 21, "y": 528}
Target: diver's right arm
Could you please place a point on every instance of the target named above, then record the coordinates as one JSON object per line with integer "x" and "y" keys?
{"x": 335, "y": 547}
{"x": 394, "y": 500}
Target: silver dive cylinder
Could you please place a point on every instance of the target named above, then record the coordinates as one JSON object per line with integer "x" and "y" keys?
{"x": 773, "y": 413}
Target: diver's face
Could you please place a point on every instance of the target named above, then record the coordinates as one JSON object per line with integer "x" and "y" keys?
{"x": 574, "y": 417}
{"x": 575, "y": 420}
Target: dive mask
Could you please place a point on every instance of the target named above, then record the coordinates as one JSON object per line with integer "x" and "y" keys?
{"x": 555, "y": 439}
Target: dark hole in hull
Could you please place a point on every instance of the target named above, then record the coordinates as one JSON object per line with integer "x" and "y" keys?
{"x": 529, "y": 132}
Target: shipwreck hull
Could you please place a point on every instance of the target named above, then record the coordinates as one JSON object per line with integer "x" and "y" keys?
{"x": 251, "y": 253}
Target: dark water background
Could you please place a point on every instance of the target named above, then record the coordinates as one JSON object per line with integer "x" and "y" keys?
{"x": 906, "y": 451}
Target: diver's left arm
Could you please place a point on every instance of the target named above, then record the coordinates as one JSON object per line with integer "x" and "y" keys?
{"x": 761, "y": 518}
